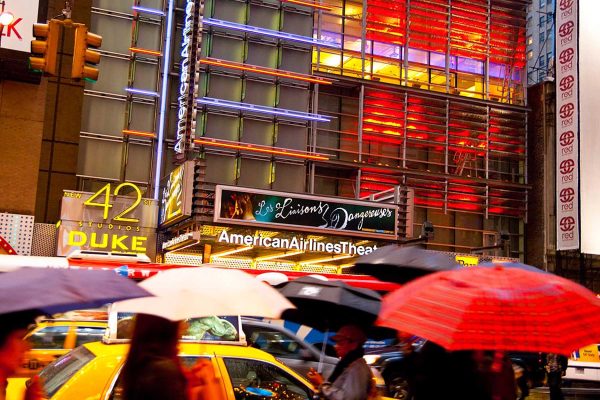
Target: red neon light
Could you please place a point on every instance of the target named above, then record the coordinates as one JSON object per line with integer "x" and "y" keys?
{"x": 145, "y": 51}
{"x": 264, "y": 70}
{"x": 131, "y": 132}
{"x": 258, "y": 149}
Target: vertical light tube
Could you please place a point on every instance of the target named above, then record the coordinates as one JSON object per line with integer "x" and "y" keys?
{"x": 164, "y": 94}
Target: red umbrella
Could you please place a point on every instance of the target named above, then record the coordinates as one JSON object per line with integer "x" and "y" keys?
{"x": 496, "y": 308}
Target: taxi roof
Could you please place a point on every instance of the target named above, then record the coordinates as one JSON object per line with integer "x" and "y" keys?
{"x": 101, "y": 349}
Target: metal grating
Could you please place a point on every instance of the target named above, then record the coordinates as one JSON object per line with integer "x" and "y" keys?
{"x": 17, "y": 230}
{"x": 234, "y": 262}
{"x": 188, "y": 258}
{"x": 44, "y": 240}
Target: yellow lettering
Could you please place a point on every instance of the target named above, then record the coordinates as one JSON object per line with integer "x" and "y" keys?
{"x": 117, "y": 241}
{"x": 137, "y": 242}
{"x": 71, "y": 241}
{"x": 94, "y": 243}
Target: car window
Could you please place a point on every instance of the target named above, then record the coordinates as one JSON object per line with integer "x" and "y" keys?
{"x": 86, "y": 334}
{"x": 50, "y": 337}
{"x": 273, "y": 342}
{"x": 56, "y": 374}
{"x": 257, "y": 379}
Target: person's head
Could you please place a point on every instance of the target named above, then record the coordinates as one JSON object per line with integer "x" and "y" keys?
{"x": 348, "y": 338}
{"x": 13, "y": 327}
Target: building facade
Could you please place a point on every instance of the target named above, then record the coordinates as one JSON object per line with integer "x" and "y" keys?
{"x": 540, "y": 40}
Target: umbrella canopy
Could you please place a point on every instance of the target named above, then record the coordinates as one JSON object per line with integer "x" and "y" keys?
{"x": 327, "y": 305}
{"x": 402, "y": 264}
{"x": 497, "y": 308}
{"x": 204, "y": 291}
{"x": 53, "y": 290}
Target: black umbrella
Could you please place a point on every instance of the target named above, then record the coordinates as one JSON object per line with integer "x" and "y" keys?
{"x": 327, "y": 305}
{"x": 402, "y": 264}
{"x": 54, "y": 290}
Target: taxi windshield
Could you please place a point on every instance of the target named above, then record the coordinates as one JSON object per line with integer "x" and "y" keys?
{"x": 55, "y": 375}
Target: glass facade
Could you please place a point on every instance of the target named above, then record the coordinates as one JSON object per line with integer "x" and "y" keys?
{"x": 427, "y": 95}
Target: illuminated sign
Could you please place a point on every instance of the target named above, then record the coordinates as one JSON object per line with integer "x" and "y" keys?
{"x": 186, "y": 113}
{"x": 108, "y": 220}
{"x": 246, "y": 206}
{"x": 295, "y": 243}
{"x": 18, "y": 34}
{"x": 180, "y": 241}
{"x": 176, "y": 203}
{"x": 467, "y": 261}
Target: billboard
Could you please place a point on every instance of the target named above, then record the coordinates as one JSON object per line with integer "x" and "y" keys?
{"x": 244, "y": 206}
{"x": 589, "y": 124}
{"x": 19, "y": 33}
{"x": 176, "y": 202}
{"x": 567, "y": 127}
{"x": 108, "y": 221}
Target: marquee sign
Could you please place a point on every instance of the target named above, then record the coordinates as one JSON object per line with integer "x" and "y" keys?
{"x": 108, "y": 220}
{"x": 176, "y": 202}
{"x": 309, "y": 213}
{"x": 567, "y": 126}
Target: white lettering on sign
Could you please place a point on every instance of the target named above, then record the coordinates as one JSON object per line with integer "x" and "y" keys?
{"x": 17, "y": 35}
{"x": 184, "y": 79}
{"x": 296, "y": 243}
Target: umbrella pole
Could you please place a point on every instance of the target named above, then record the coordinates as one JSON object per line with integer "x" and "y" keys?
{"x": 322, "y": 355}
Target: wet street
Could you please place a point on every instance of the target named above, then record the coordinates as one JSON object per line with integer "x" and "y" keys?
{"x": 570, "y": 394}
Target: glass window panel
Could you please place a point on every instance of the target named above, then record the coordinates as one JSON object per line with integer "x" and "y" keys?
{"x": 470, "y": 65}
{"x": 99, "y": 158}
{"x": 222, "y": 126}
{"x": 352, "y": 27}
{"x": 352, "y": 43}
{"x": 294, "y": 98}
{"x": 262, "y": 55}
{"x": 292, "y": 137}
{"x": 121, "y": 6}
{"x": 230, "y": 10}
{"x": 113, "y": 78}
{"x": 497, "y": 70}
{"x": 261, "y": 93}
{"x": 331, "y": 24}
{"x": 227, "y": 48}
{"x": 419, "y": 56}
{"x": 87, "y": 334}
{"x": 145, "y": 76}
{"x": 220, "y": 169}
{"x": 387, "y": 50}
{"x": 113, "y": 31}
{"x": 51, "y": 337}
{"x": 254, "y": 173}
{"x": 296, "y": 60}
{"x": 94, "y": 107}
{"x": 139, "y": 163}
{"x": 299, "y": 24}
{"x": 437, "y": 60}
{"x": 245, "y": 374}
{"x": 263, "y": 17}
{"x": 289, "y": 177}
{"x": 330, "y": 59}
{"x": 258, "y": 132}
{"x": 224, "y": 87}
{"x": 142, "y": 117}
{"x": 149, "y": 36}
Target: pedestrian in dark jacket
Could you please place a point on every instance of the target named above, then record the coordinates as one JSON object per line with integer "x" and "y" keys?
{"x": 556, "y": 366}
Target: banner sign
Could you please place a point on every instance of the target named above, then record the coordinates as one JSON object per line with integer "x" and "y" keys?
{"x": 18, "y": 34}
{"x": 567, "y": 126}
{"x": 176, "y": 202}
{"x": 309, "y": 213}
{"x": 108, "y": 221}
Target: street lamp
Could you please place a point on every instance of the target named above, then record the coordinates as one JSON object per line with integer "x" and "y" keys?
{"x": 6, "y": 18}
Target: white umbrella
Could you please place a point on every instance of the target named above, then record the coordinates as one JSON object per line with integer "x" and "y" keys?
{"x": 183, "y": 293}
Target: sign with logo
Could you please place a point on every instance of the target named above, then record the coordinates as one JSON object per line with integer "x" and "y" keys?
{"x": 295, "y": 242}
{"x": 110, "y": 220}
{"x": 567, "y": 127}
{"x": 19, "y": 33}
{"x": 188, "y": 89}
{"x": 176, "y": 202}
{"x": 253, "y": 207}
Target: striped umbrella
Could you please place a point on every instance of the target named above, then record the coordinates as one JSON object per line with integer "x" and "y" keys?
{"x": 505, "y": 309}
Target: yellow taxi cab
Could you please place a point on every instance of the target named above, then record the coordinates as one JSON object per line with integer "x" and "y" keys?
{"x": 92, "y": 371}
{"x": 52, "y": 338}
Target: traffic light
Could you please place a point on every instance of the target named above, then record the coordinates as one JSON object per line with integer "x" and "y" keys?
{"x": 82, "y": 54}
{"x": 44, "y": 51}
